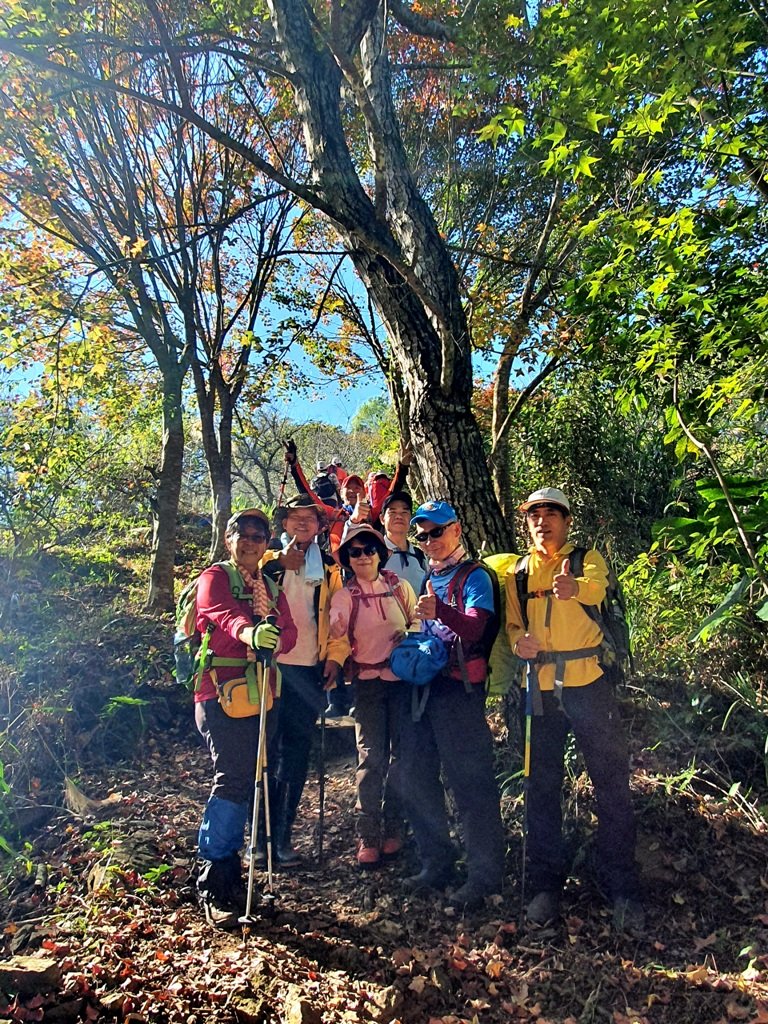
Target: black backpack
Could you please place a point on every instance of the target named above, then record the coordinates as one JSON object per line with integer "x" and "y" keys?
{"x": 325, "y": 489}
{"x": 611, "y": 616}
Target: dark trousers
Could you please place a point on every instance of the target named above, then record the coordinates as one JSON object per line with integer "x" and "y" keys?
{"x": 233, "y": 746}
{"x": 378, "y": 710}
{"x": 301, "y": 701}
{"x": 592, "y": 714}
{"x": 453, "y": 735}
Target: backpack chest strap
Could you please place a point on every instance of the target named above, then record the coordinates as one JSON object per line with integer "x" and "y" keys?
{"x": 531, "y": 594}
{"x": 547, "y": 595}
{"x": 559, "y": 659}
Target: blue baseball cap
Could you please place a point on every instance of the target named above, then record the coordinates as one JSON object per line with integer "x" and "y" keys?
{"x": 438, "y": 512}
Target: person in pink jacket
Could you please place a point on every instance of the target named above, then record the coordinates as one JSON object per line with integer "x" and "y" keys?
{"x": 369, "y": 616}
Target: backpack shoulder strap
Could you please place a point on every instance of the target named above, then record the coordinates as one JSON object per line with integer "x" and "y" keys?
{"x": 273, "y": 590}
{"x": 354, "y": 592}
{"x": 594, "y": 611}
{"x": 577, "y": 561}
{"x": 454, "y": 593}
{"x": 236, "y": 581}
{"x": 389, "y": 577}
{"x": 521, "y": 586}
{"x": 397, "y": 590}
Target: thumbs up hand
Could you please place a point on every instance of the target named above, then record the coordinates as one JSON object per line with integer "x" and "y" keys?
{"x": 426, "y": 607}
{"x": 292, "y": 557}
{"x": 565, "y": 586}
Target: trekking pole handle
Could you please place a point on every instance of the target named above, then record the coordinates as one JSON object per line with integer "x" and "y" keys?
{"x": 265, "y": 656}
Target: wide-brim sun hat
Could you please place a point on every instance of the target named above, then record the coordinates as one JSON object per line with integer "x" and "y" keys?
{"x": 352, "y": 478}
{"x": 299, "y": 501}
{"x": 361, "y": 533}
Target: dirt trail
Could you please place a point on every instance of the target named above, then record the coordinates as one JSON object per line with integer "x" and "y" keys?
{"x": 109, "y": 897}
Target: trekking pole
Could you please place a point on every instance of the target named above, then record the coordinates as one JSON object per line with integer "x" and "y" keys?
{"x": 261, "y": 788}
{"x": 260, "y": 791}
{"x": 321, "y": 773}
{"x": 266, "y": 661}
{"x": 533, "y": 706}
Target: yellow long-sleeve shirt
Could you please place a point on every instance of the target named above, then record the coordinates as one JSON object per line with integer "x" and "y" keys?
{"x": 570, "y": 628}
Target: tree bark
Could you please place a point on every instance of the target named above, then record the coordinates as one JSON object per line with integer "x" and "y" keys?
{"x": 165, "y": 508}
{"x": 396, "y": 248}
{"x": 217, "y": 445}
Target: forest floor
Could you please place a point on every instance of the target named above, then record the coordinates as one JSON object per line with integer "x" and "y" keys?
{"x": 104, "y": 895}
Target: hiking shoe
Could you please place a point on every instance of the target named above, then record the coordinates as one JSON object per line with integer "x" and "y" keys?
{"x": 430, "y": 877}
{"x": 391, "y": 846}
{"x": 287, "y": 857}
{"x": 393, "y": 839}
{"x": 543, "y": 909}
{"x": 333, "y": 712}
{"x": 368, "y": 854}
{"x": 220, "y": 914}
{"x": 259, "y": 858}
{"x": 628, "y": 916}
{"x": 471, "y": 896}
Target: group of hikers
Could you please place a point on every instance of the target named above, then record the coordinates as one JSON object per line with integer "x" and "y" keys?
{"x": 354, "y": 589}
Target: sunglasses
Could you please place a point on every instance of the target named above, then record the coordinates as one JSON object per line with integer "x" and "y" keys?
{"x": 252, "y": 535}
{"x": 433, "y": 534}
{"x": 366, "y": 549}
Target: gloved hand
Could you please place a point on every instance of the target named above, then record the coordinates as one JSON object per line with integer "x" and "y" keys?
{"x": 265, "y": 636}
{"x": 291, "y": 454}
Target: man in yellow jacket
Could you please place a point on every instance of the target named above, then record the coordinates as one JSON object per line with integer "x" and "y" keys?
{"x": 549, "y": 629}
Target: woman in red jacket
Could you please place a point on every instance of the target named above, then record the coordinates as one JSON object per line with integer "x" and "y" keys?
{"x": 237, "y": 628}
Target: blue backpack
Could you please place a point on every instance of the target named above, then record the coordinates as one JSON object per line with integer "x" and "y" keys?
{"x": 419, "y": 657}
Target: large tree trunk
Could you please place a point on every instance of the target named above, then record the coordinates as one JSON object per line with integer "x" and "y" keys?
{"x": 396, "y": 247}
{"x": 166, "y": 506}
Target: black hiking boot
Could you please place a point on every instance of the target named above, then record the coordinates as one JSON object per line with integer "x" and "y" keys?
{"x": 221, "y": 892}
{"x": 287, "y": 800}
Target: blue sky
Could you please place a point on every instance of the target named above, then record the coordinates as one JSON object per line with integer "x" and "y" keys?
{"x": 336, "y": 405}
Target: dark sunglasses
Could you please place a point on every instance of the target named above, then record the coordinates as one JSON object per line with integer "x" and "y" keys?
{"x": 433, "y": 534}
{"x": 366, "y": 549}
{"x": 252, "y": 535}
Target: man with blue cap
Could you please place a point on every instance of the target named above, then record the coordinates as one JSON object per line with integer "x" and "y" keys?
{"x": 447, "y": 730}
